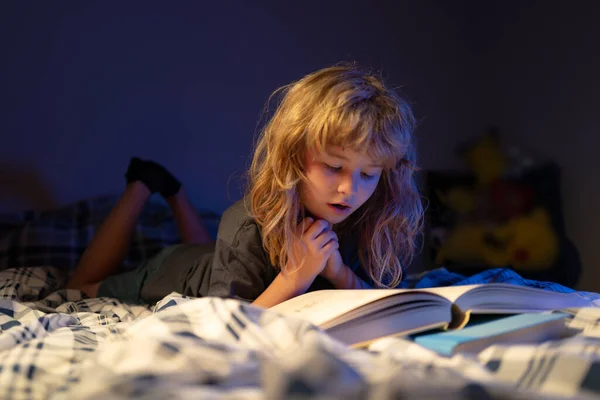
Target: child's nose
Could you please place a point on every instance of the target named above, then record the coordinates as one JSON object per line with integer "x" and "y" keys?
{"x": 348, "y": 185}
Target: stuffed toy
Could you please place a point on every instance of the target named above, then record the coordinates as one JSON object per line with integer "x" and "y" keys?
{"x": 526, "y": 242}
{"x": 485, "y": 158}
{"x": 498, "y": 223}
{"x": 493, "y": 196}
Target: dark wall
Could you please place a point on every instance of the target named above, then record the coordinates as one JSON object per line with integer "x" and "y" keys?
{"x": 543, "y": 85}
{"x": 87, "y": 85}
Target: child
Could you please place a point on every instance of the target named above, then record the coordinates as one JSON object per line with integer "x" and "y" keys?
{"x": 331, "y": 203}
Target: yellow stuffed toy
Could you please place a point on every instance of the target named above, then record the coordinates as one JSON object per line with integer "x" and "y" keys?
{"x": 497, "y": 222}
{"x": 526, "y": 242}
{"x": 486, "y": 159}
{"x": 464, "y": 244}
{"x": 459, "y": 199}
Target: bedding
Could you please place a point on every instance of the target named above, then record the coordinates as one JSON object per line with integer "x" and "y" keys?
{"x": 55, "y": 343}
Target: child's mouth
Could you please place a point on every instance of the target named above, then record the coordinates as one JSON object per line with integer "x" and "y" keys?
{"x": 339, "y": 208}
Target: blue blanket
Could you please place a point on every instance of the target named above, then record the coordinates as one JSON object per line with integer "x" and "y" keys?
{"x": 443, "y": 277}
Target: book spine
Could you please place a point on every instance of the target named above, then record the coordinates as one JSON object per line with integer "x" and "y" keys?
{"x": 460, "y": 318}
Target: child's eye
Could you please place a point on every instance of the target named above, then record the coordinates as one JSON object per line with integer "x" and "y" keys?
{"x": 332, "y": 168}
{"x": 367, "y": 177}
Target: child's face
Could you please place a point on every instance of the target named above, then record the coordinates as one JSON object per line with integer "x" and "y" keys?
{"x": 339, "y": 182}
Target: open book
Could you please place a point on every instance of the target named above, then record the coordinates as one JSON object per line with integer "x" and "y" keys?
{"x": 356, "y": 317}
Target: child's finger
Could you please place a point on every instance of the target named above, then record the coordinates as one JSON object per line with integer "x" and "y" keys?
{"x": 304, "y": 225}
{"x": 308, "y": 222}
{"x": 324, "y": 238}
{"x": 316, "y": 229}
{"x": 331, "y": 246}
{"x": 331, "y": 235}
{"x": 327, "y": 230}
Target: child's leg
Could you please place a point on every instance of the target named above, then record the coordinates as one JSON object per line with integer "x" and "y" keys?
{"x": 191, "y": 228}
{"x": 108, "y": 247}
{"x": 90, "y": 289}
{"x": 158, "y": 179}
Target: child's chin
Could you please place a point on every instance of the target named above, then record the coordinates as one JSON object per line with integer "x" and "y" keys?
{"x": 329, "y": 218}
{"x": 336, "y": 219}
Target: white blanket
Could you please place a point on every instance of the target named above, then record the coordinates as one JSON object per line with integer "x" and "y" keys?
{"x": 54, "y": 344}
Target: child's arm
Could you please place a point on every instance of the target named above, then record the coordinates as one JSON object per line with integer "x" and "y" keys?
{"x": 313, "y": 246}
{"x": 281, "y": 289}
{"x": 340, "y": 275}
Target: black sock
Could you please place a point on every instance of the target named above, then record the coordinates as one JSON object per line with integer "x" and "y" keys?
{"x": 135, "y": 171}
{"x": 154, "y": 176}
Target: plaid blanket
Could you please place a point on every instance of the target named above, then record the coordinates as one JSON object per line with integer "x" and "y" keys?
{"x": 59, "y": 237}
{"x": 56, "y": 344}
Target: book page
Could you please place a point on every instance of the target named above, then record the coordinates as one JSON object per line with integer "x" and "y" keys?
{"x": 503, "y": 297}
{"x": 451, "y": 293}
{"x": 322, "y": 306}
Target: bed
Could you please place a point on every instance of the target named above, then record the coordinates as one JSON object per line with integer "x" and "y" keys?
{"x": 55, "y": 343}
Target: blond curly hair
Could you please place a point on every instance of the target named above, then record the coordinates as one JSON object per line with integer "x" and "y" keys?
{"x": 343, "y": 106}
